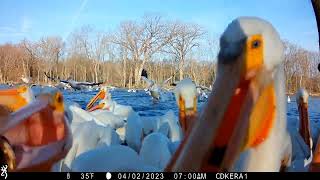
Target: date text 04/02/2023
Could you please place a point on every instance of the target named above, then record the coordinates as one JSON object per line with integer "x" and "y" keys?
{"x": 161, "y": 175}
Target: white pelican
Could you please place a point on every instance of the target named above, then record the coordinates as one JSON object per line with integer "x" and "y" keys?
{"x": 116, "y": 158}
{"x": 133, "y": 131}
{"x": 26, "y": 79}
{"x": 132, "y": 90}
{"x": 155, "y": 89}
{"x": 243, "y": 126}
{"x": 186, "y": 98}
{"x": 155, "y": 150}
{"x": 306, "y": 143}
{"x": 106, "y": 103}
{"x": 88, "y": 136}
{"x": 301, "y": 140}
{"x": 74, "y": 84}
{"x": 304, "y": 123}
{"x": 108, "y": 118}
{"x": 101, "y": 117}
{"x": 167, "y": 124}
{"x": 38, "y": 133}
{"x": 100, "y": 114}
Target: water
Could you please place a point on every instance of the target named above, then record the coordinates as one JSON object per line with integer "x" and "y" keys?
{"x": 142, "y": 103}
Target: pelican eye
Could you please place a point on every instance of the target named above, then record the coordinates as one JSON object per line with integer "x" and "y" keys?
{"x": 255, "y": 44}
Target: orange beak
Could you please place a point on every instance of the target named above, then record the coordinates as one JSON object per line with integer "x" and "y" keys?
{"x": 100, "y": 95}
{"x": 304, "y": 124}
{"x": 12, "y": 98}
{"x": 187, "y": 116}
{"x": 38, "y": 126}
{"x": 315, "y": 164}
{"x": 99, "y": 106}
{"x": 236, "y": 117}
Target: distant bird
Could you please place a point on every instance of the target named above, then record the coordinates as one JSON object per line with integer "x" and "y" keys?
{"x": 74, "y": 84}
{"x": 243, "y": 126}
{"x": 132, "y": 90}
{"x": 155, "y": 89}
{"x": 26, "y": 79}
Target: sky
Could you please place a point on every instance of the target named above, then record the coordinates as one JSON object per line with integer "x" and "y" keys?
{"x": 33, "y": 19}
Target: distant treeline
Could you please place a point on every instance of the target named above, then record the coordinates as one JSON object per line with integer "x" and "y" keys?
{"x": 160, "y": 46}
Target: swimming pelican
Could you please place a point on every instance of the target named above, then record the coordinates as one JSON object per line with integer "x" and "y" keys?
{"x": 106, "y": 103}
{"x": 242, "y": 131}
{"x": 38, "y": 132}
{"x": 304, "y": 123}
{"x": 301, "y": 139}
{"x": 132, "y": 90}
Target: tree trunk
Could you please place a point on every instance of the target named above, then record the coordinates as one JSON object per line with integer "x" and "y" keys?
{"x": 124, "y": 72}
{"x": 1, "y": 78}
{"x": 130, "y": 77}
{"x": 181, "y": 70}
{"x": 96, "y": 72}
{"x": 138, "y": 72}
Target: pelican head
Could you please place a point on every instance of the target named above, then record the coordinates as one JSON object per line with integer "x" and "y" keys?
{"x": 186, "y": 98}
{"x": 103, "y": 94}
{"x": 16, "y": 98}
{"x": 304, "y": 124}
{"x": 33, "y": 127}
{"x": 244, "y": 119}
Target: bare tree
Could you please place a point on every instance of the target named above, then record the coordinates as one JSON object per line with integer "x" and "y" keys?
{"x": 51, "y": 49}
{"x": 187, "y": 37}
{"x": 143, "y": 40}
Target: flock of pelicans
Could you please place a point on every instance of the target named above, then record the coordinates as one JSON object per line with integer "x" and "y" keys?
{"x": 243, "y": 126}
